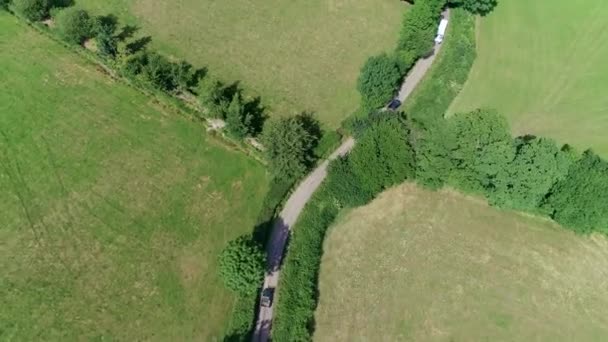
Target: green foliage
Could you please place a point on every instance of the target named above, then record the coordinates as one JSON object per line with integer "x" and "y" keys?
{"x": 74, "y": 25}
{"x": 382, "y": 157}
{"x": 182, "y": 76}
{"x": 482, "y": 7}
{"x": 237, "y": 119}
{"x": 418, "y": 30}
{"x": 242, "y": 265}
{"x": 104, "y": 28}
{"x": 378, "y": 80}
{"x": 580, "y": 201}
{"x": 211, "y": 96}
{"x": 289, "y": 144}
{"x": 344, "y": 185}
{"x": 156, "y": 70}
{"x": 481, "y": 150}
{"x": 327, "y": 144}
{"x": 33, "y": 10}
{"x": 298, "y": 283}
{"x": 432, "y": 97}
{"x": 242, "y": 319}
{"x": 4, "y": 4}
{"x": 537, "y": 166}
{"x": 433, "y": 162}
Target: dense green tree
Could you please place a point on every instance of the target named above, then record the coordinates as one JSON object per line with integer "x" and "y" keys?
{"x": 33, "y": 9}
{"x": 537, "y": 166}
{"x": 74, "y": 25}
{"x": 482, "y": 7}
{"x": 211, "y": 96}
{"x": 289, "y": 144}
{"x": 382, "y": 156}
{"x": 378, "y": 80}
{"x": 103, "y": 28}
{"x": 481, "y": 149}
{"x": 4, "y": 4}
{"x": 344, "y": 185}
{"x": 182, "y": 75}
{"x": 237, "y": 118}
{"x": 433, "y": 160}
{"x": 580, "y": 200}
{"x": 107, "y": 44}
{"x": 158, "y": 70}
{"x": 418, "y": 29}
{"x": 242, "y": 264}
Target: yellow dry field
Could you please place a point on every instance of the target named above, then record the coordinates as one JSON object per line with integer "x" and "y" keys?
{"x": 416, "y": 265}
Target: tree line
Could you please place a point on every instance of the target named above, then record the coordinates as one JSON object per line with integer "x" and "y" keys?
{"x": 132, "y": 59}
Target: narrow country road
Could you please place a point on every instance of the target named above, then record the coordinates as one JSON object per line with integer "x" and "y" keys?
{"x": 287, "y": 218}
{"x": 298, "y": 199}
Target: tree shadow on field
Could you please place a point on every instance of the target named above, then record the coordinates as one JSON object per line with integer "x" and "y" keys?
{"x": 126, "y": 32}
{"x": 138, "y": 44}
{"x": 258, "y": 115}
{"x": 198, "y": 75}
{"x": 109, "y": 21}
{"x": 230, "y": 90}
{"x": 62, "y": 3}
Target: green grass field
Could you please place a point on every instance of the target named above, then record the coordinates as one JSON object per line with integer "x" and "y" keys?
{"x": 113, "y": 209}
{"x": 297, "y": 55}
{"x": 416, "y": 265}
{"x": 544, "y": 66}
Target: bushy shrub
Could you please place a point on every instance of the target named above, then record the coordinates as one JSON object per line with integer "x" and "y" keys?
{"x": 242, "y": 264}
{"x": 158, "y": 71}
{"x": 74, "y": 25}
{"x": 482, "y": 7}
{"x": 298, "y": 282}
{"x": 378, "y": 80}
{"x": 237, "y": 118}
{"x": 4, "y": 4}
{"x": 211, "y": 96}
{"x": 33, "y": 10}
{"x": 104, "y": 28}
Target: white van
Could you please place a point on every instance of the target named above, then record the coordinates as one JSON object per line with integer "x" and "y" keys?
{"x": 443, "y": 25}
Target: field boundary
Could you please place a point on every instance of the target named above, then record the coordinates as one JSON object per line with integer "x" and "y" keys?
{"x": 168, "y": 102}
{"x": 295, "y": 311}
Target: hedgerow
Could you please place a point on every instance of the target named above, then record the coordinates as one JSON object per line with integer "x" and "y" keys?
{"x": 298, "y": 282}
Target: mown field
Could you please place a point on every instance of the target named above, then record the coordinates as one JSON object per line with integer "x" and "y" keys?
{"x": 416, "y": 265}
{"x": 113, "y": 209}
{"x": 297, "y": 55}
{"x": 544, "y": 66}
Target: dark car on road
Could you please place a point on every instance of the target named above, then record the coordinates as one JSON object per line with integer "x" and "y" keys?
{"x": 267, "y": 296}
{"x": 394, "y": 104}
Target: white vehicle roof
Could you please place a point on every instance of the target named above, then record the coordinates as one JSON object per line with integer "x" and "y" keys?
{"x": 443, "y": 25}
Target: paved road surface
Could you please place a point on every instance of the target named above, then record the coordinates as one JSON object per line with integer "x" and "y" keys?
{"x": 419, "y": 70}
{"x": 303, "y": 193}
{"x": 280, "y": 232}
